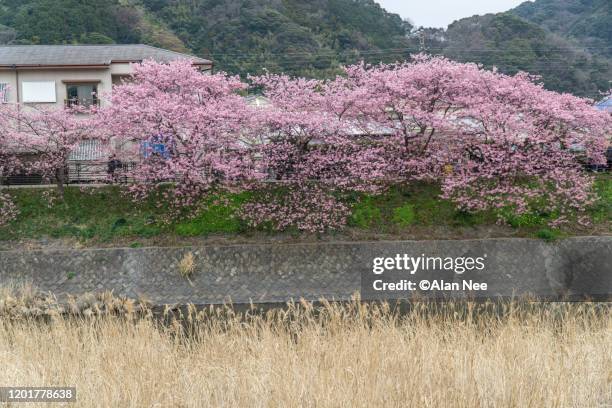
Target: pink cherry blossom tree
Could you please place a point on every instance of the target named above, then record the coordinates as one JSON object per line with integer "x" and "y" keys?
{"x": 493, "y": 141}
{"x": 8, "y": 165}
{"x": 39, "y": 141}
{"x": 45, "y": 137}
{"x": 507, "y": 141}
{"x": 315, "y": 153}
{"x": 184, "y": 127}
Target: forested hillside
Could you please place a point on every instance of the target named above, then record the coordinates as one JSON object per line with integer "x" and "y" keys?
{"x": 302, "y": 37}
{"x": 513, "y": 44}
{"x": 567, "y": 42}
{"x": 589, "y": 22}
{"x": 82, "y": 21}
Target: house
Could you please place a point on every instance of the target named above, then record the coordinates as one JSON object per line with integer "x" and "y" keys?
{"x": 66, "y": 75}
{"x": 63, "y": 75}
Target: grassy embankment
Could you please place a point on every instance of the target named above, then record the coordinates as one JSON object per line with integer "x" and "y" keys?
{"x": 435, "y": 355}
{"x": 99, "y": 216}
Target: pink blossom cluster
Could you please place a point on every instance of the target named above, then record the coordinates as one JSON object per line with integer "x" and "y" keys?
{"x": 309, "y": 208}
{"x": 9, "y": 164}
{"x": 8, "y": 209}
{"x": 39, "y": 140}
{"x": 203, "y": 127}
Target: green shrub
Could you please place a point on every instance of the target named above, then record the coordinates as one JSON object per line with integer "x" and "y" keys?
{"x": 548, "y": 234}
{"x": 146, "y": 231}
{"x": 602, "y": 210}
{"x": 404, "y": 215}
{"x": 218, "y": 215}
{"x": 531, "y": 219}
{"x": 470, "y": 219}
{"x": 365, "y": 214}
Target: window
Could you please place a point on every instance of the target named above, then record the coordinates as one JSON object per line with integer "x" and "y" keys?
{"x": 38, "y": 92}
{"x": 4, "y": 97}
{"x": 81, "y": 94}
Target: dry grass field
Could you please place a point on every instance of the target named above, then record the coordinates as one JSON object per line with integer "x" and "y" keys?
{"x": 351, "y": 355}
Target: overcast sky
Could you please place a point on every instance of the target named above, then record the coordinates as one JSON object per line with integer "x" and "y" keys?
{"x": 440, "y": 13}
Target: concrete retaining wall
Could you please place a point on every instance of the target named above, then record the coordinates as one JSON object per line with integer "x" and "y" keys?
{"x": 276, "y": 273}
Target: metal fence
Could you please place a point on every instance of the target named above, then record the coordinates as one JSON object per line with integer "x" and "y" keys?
{"x": 99, "y": 172}
{"x": 77, "y": 172}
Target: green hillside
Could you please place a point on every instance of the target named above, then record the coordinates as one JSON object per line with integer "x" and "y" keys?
{"x": 513, "y": 44}
{"x": 304, "y": 38}
{"x": 82, "y": 22}
{"x": 567, "y": 42}
{"x": 586, "y": 21}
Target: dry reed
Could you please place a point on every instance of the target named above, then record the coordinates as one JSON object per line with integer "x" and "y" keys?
{"x": 331, "y": 355}
{"x": 186, "y": 265}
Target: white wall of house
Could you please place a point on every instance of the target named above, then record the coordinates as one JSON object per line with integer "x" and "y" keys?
{"x": 120, "y": 68}
{"x": 42, "y": 77}
{"x": 61, "y": 78}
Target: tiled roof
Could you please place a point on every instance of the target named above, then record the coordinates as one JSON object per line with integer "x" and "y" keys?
{"x": 86, "y": 54}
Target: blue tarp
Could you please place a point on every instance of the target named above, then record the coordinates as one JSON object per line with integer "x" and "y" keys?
{"x": 149, "y": 149}
{"x": 605, "y": 105}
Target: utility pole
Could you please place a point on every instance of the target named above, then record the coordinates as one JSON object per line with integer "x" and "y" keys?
{"x": 422, "y": 40}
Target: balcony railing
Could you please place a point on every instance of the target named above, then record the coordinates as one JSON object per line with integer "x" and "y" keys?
{"x": 83, "y": 102}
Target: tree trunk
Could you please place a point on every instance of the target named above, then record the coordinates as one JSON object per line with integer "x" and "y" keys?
{"x": 60, "y": 177}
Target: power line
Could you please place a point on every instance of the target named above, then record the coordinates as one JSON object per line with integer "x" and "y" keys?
{"x": 550, "y": 63}
{"x": 404, "y": 49}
